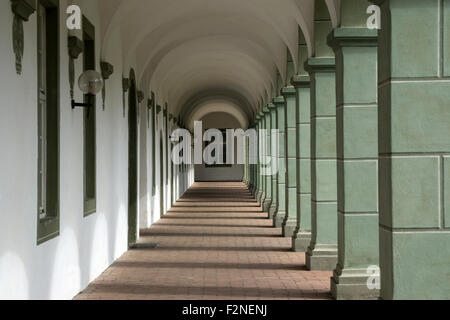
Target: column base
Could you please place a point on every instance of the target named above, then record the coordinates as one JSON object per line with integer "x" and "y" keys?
{"x": 301, "y": 241}
{"x": 289, "y": 227}
{"x": 273, "y": 210}
{"x": 260, "y": 196}
{"x": 352, "y": 284}
{"x": 278, "y": 219}
{"x": 321, "y": 257}
{"x": 254, "y": 191}
{"x": 266, "y": 205}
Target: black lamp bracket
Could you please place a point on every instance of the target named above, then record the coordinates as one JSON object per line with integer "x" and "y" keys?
{"x": 87, "y": 105}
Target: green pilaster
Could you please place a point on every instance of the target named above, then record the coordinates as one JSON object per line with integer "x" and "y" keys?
{"x": 268, "y": 177}
{"x": 280, "y": 215}
{"x": 322, "y": 252}
{"x": 290, "y": 113}
{"x": 302, "y": 234}
{"x": 274, "y": 162}
{"x": 250, "y": 146}
{"x": 261, "y": 138}
{"x": 414, "y": 149}
{"x": 357, "y": 154}
{"x": 256, "y": 166}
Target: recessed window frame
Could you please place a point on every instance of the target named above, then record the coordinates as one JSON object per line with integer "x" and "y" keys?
{"x": 48, "y": 114}
{"x": 89, "y": 126}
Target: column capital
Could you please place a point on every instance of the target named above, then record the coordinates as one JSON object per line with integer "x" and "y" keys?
{"x": 271, "y": 106}
{"x": 261, "y": 115}
{"x": 299, "y": 81}
{"x": 288, "y": 91}
{"x": 320, "y": 65}
{"x": 352, "y": 37}
{"x": 266, "y": 110}
{"x": 278, "y": 101}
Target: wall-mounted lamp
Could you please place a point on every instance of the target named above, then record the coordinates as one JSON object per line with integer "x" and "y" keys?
{"x": 140, "y": 98}
{"x": 90, "y": 83}
{"x": 22, "y": 10}
{"x": 126, "y": 84}
{"x": 107, "y": 71}
{"x": 75, "y": 47}
{"x": 149, "y": 106}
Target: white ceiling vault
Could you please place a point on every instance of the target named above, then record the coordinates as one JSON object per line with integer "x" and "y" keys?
{"x": 194, "y": 53}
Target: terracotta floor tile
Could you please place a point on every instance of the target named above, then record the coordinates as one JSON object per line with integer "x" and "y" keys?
{"x": 215, "y": 243}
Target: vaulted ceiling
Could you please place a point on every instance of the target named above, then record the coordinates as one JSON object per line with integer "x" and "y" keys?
{"x": 194, "y": 53}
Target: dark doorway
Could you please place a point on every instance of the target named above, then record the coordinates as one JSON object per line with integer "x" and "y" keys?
{"x": 132, "y": 161}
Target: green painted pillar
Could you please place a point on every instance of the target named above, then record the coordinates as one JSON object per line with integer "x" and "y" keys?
{"x": 280, "y": 215}
{"x": 261, "y": 178}
{"x": 274, "y": 162}
{"x": 268, "y": 177}
{"x": 322, "y": 252}
{"x": 355, "y": 49}
{"x": 255, "y": 166}
{"x": 302, "y": 234}
{"x": 414, "y": 149}
{"x": 290, "y": 125}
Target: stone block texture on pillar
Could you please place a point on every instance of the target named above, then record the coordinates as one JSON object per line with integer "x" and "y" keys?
{"x": 280, "y": 215}
{"x": 322, "y": 252}
{"x": 274, "y": 161}
{"x": 262, "y": 138}
{"x": 302, "y": 234}
{"x": 257, "y": 188}
{"x": 414, "y": 151}
{"x": 357, "y": 156}
{"x": 267, "y": 154}
{"x": 290, "y": 109}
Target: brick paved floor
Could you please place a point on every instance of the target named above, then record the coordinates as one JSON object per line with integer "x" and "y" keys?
{"x": 215, "y": 243}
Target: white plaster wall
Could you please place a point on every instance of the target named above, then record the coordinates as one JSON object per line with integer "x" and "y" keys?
{"x": 62, "y": 267}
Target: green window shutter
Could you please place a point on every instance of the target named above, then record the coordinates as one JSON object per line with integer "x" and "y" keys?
{"x": 90, "y": 147}
{"x": 48, "y": 120}
{"x": 153, "y": 145}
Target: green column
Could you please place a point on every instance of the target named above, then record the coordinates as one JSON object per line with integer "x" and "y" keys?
{"x": 245, "y": 177}
{"x": 274, "y": 162}
{"x": 268, "y": 177}
{"x": 355, "y": 49}
{"x": 414, "y": 149}
{"x": 302, "y": 234}
{"x": 253, "y": 144}
{"x": 261, "y": 180}
{"x": 322, "y": 252}
{"x": 256, "y": 166}
{"x": 357, "y": 154}
{"x": 281, "y": 212}
{"x": 290, "y": 127}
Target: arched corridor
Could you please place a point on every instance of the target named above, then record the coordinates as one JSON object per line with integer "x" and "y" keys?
{"x": 215, "y": 243}
{"x": 268, "y": 148}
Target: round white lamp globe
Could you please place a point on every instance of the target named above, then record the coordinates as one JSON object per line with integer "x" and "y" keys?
{"x": 90, "y": 82}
